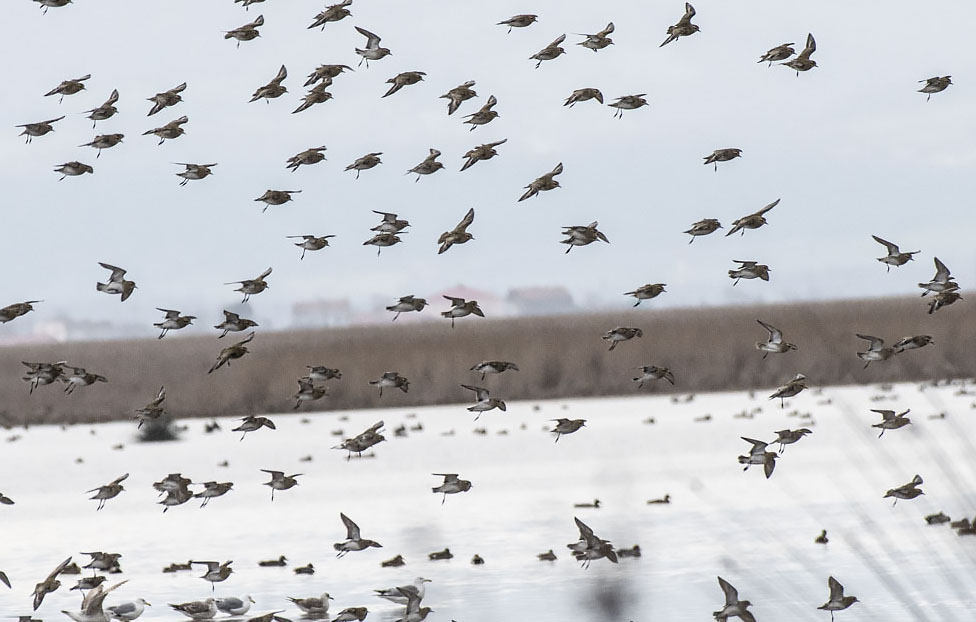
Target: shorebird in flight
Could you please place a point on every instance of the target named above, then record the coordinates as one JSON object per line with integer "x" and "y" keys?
{"x": 326, "y": 73}
{"x": 164, "y": 99}
{"x": 373, "y": 50}
{"x": 906, "y": 491}
{"x": 272, "y": 89}
{"x": 684, "y": 27}
{"x": 317, "y": 95}
{"x": 73, "y": 169}
{"x": 461, "y": 308}
{"x": 458, "y": 95}
{"x": 941, "y": 282}
{"x": 599, "y": 40}
{"x": 791, "y": 388}
{"x": 406, "y": 304}
{"x": 582, "y": 95}
{"x": 912, "y": 343}
{"x": 354, "y": 541}
{"x": 653, "y": 372}
{"x": 619, "y": 334}
{"x": 935, "y": 85}
{"x": 759, "y": 455}
{"x": 307, "y": 157}
{"x": 391, "y": 379}
{"x": 172, "y": 130}
{"x": 484, "y": 115}
{"x": 582, "y": 235}
{"x": 49, "y": 584}
{"x": 628, "y": 102}
{"x": 566, "y": 426}
{"x": 280, "y": 481}
{"x": 332, "y": 13}
{"x": 390, "y": 223}
{"x": 216, "y": 572}
{"x": 38, "y": 129}
{"x": 481, "y": 152}
{"x": 308, "y": 392}
{"x": 457, "y": 235}
{"x": 275, "y": 197}
{"x": 382, "y": 240}
{"x": 518, "y": 21}
{"x": 117, "y": 284}
{"x": 876, "y": 351}
{"x": 778, "y": 53}
{"x": 253, "y": 423}
{"x": 837, "y": 601}
{"x": 803, "y": 62}
{"x": 368, "y": 161}
{"x": 493, "y": 367}
{"x": 752, "y": 221}
{"x": 452, "y": 485}
{"x": 104, "y": 141}
{"x": 429, "y": 166}
{"x": 775, "y": 342}
{"x": 647, "y": 292}
{"x": 247, "y": 32}
{"x": 14, "y": 311}
{"x": 108, "y": 491}
{"x": 231, "y": 353}
{"x": 194, "y": 172}
{"x": 549, "y": 52}
{"x": 484, "y": 401}
{"x": 406, "y": 78}
{"x": 788, "y": 437}
{"x": 546, "y": 182}
{"x": 233, "y": 322}
{"x": 106, "y": 111}
{"x": 173, "y": 321}
{"x": 749, "y": 270}
{"x": 895, "y": 257}
{"x": 311, "y": 242}
{"x": 722, "y": 155}
{"x": 890, "y": 420}
{"x": 69, "y": 87}
{"x": 249, "y": 287}
{"x": 703, "y": 227}
{"x": 733, "y": 606}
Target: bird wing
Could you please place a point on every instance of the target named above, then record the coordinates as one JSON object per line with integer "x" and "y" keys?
{"x": 836, "y": 589}
{"x": 941, "y": 272}
{"x": 119, "y": 480}
{"x": 352, "y": 529}
{"x": 917, "y": 480}
{"x": 117, "y": 273}
{"x": 92, "y": 603}
{"x": 585, "y": 532}
{"x": 448, "y": 477}
{"x": 876, "y": 343}
{"x": 745, "y": 264}
{"x": 230, "y": 316}
{"x": 810, "y": 48}
{"x": 775, "y": 335}
{"x": 265, "y": 273}
{"x": 605, "y": 31}
{"x": 892, "y": 248}
{"x": 112, "y": 98}
{"x": 557, "y": 41}
{"x": 457, "y": 302}
{"x": 282, "y": 74}
{"x": 274, "y": 475}
{"x": 767, "y": 208}
{"x": 495, "y": 144}
{"x": 54, "y": 573}
{"x": 481, "y": 393}
{"x": 465, "y": 222}
{"x": 757, "y": 446}
{"x": 689, "y": 13}
{"x": 413, "y": 600}
{"x": 731, "y": 594}
{"x": 372, "y": 41}
{"x": 888, "y": 415}
{"x": 171, "y": 314}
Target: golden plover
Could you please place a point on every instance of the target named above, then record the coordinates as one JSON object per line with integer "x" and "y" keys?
{"x": 231, "y": 353}
{"x": 391, "y": 379}
{"x": 366, "y": 162}
{"x": 749, "y": 270}
{"x": 837, "y": 600}
{"x": 104, "y": 141}
{"x": 582, "y": 235}
{"x": 646, "y": 292}
{"x": 429, "y": 166}
{"x": 484, "y": 401}
{"x": 194, "y": 171}
{"x": 598, "y": 41}
{"x": 247, "y": 32}
{"x": 164, "y": 99}
{"x": 803, "y": 62}
{"x": 628, "y": 102}
{"x": 272, "y": 89}
{"x": 457, "y": 235}
{"x": 117, "y": 284}
{"x": 233, "y": 322}
{"x": 173, "y": 321}
{"x": 106, "y": 111}
{"x": 173, "y": 129}
{"x": 452, "y": 485}
{"x": 275, "y": 197}
{"x": 354, "y": 541}
{"x": 401, "y": 80}
{"x": 722, "y": 155}
{"x": 249, "y": 287}
{"x": 73, "y": 169}
{"x": 69, "y": 87}
{"x": 752, "y": 221}
{"x": 332, "y": 13}
{"x": 517, "y": 21}
{"x": 373, "y": 50}
{"x": 14, "y": 311}
{"x": 458, "y": 95}
{"x": 549, "y": 52}
{"x": 493, "y": 367}
{"x": 621, "y": 333}
{"x": 775, "y": 341}
{"x": 895, "y": 257}
{"x": 546, "y": 182}
{"x": 461, "y": 308}
{"x": 703, "y": 227}
{"x": 653, "y": 372}
{"x": 877, "y": 351}
{"x": 582, "y": 95}
{"x": 733, "y": 606}
{"x": 307, "y": 157}
{"x": 317, "y": 95}
{"x": 481, "y": 152}
{"x": 382, "y": 240}
{"x": 778, "y": 53}
{"x": 935, "y": 85}
{"x": 311, "y": 242}
{"x": 38, "y": 129}
{"x": 684, "y": 27}
{"x": 484, "y": 115}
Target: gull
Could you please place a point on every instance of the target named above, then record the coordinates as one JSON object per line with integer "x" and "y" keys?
{"x": 373, "y": 50}
{"x": 326, "y": 73}
{"x": 703, "y": 227}
{"x": 582, "y": 235}
{"x": 935, "y": 85}
{"x": 566, "y": 426}
{"x": 311, "y": 242}
{"x": 216, "y": 572}
{"x": 252, "y": 286}
{"x": 390, "y": 223}
{"x": 943, "y": 299}
{"x": 876, "y": 351}
{"x": 108, "y": 491}
{"x": 198, "y": 610}
{"x": 332, "y": 13}
{"x": 895, "y": 257}
{"x": 684, "y": 27}
{"x": 351, "y": 613}
{"x": 549, "y": 52}
{"x": 272, "y": 89}
{"x": 628, "y": 102}
{"x": 391, "y": 379}
{"x": 619, "y": 334}
{"x": 173, "y": 321}
{"x": 646, "y": 292}
{"x": 461, "y": 308}
{"x": 46, "y": 4}
{"x": 253, "y": 423}
{"x": 941, "y": 282}
{"x": 14, "y": 311}
{"x": 759, "y": 455}
{"x": 802, "y": 61}
{"x": 38, "y": 129}
{"x": 117, "y": 284}
{"x": 653, "y": 372}
{"x": 598, "y": 41}
{"x": 91, "y": 605}
{"x": 73, "y": 169}
{"x": 308, "y": 392}
{"x": 165, "y": 99}
{"x": 368, "y": 161}
{"x": 484, "y": 115}
{"x": 353, "y": 540}
{"x": 318, "y": 606}
{"x": 233, "y": 322}
{"x": 458, "y": 95}
{"x": 481, "y": 152}
{"x": 128, "y": 611}
{"x": 211, "y": 490}
{"x": 912, "y": 343}
{"x": 49, "y": 584}
{"x": 317, "y": 95}
{"x": 451, "y": 485}
{"x": 414, "y": 612}
{"x": 393, "y": 594}
{"x": 171, "y": 130}
{"x": 790, "y": 389}
{"x": 275, "y": 197}
{"x": 406, "y": 304}
{"x": 749, "y": 270}
{"x": 752, "y": 221}
{"x": 429, "y": 166}
{"x": 788, "y": 437}
{"x": 106, "y": 111}
{"x": 582, "y": 95}
{"x": 307, "y": 157}
{"x": 381, "y": 240}
{"x": 69, "y": 87}
{"x": 775, "y": 342}
{"x": 493, "y": 367}
{"x": 733, "y": 606}
{"x": 401, "y": 80}
{"x": 778, "y": 53}
{"x": 104, "y": 141}
{"x": 891, "y": 421}
{"x": 247, "y": 32}
{"x": 906, "y": 491}
{"x": 546, "y": 182}
{"x": 722, "y": 155}
{"x": 194, "y": 172}
{"x": 837, "y": 600}
{"x": 518, "y": 21}
{"x": 457, "y": 235}
{"x": 231, "y": 353}
{"x": 235, "y": 606}
{"x": 484, "y": 402}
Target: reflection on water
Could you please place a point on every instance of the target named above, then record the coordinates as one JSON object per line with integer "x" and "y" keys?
{"x": 757, "y": 533}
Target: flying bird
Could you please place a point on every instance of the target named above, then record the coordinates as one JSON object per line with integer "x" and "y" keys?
{"x": 684, "y": 27}
{"x": 457, "y": 235}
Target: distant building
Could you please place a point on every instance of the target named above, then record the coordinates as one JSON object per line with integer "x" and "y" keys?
{"x": 541, "y": 300}
{"x": 322, "y": 313}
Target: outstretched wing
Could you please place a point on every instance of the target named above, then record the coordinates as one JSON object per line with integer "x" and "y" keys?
{"x": 686, "y": 19}
{"x": 876, "y": 342}
{"x": 892, "y": 248}
{"x": 775, "y": 335}
{"x": 465, "y": 222}
{"x": 731, "y": 594}
{"x": 372, "y": 41}
{"x": 352, "y": 529}
{"x": 767, "y": 208}
{"x": 941, "y": 272}
{"x": 836, "y": 589}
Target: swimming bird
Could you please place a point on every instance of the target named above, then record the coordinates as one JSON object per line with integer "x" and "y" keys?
{"x": 484, "y": 401}
{"x": 332, "y": 13}
{"x": 619, "y": 334}
{"x": 173, "y": 321}
{"x": 194, "y": 172}
{"x": 249, "y": 287}
{"x": 788, "y": 437}
{"x": 128, "y": 611}
{"x": 353, "y": 540}
{"x": 104, "y": 141}
{"x": 106, "y": 111}
{"x": 778, "y": 53}
{"x": 367, "y": 161}
{"x": 307, "y": 157}
{"x": 566, "y": 426}
{"x": 461, "y": 308}
{"x": 212, "y": 490}
{"x": 941, "y": 282}
{"x": 80, "y": 377}
{"x": 518, "y": 21}
{"x": 73, "y": 169}
{"x": 548, "y": 556}
{"x": 493, "y": 367}
{"x": 451, "y": 485}
{"x": 937, "y": 519}
{"x": 653, "y": 372}
{"x": 877, "y": 351}
{"x": 253, "y": 423}
{"x": 628, "y": 102}
{"x": 247, "y": 32}
{"x": 216, "y": 571}
{"x": 233, "y": 322}
{"x": 172, "y": 130}
{"x": 837, "y": 601}
{"x": 311, "y": 242}
{"x": 316, "y": 95}
{"x": 457, "y": 235}
{"x": 373, "y": 50}
{"x": 935, "y": 85}
{"x": 647, "y": 292}
{"x": 484, "y": 115}
{"x": 308, "y": 392}
{"x": 406, "y": 304}
{"x": 458, "y": 95}
{"x": 722, "y": 155}
{"x": 752, "y": 221}
{"x": 117, "y": 284}
{"x": 166, "y": 98}
{"x": 759, "y": 455}
{"x": 69, "y": 87}
{"x": 749, "y": 270}
{"x": 351, "y": 613}
{"x": 703, "y": 227}
{"x": 582, "y": 235}
{"x": 775, "y": 341}
{"x": 281, "y": 561}
{"x": 684, "y": 27}
{"x": 14, "y": 311}
{"x": 382, "y": 240}
{"x": 91, "y": 605}
{"x": 274, "y": 197}
{"x": 663, "y": 500}
{"x": 891, "y": 421}
{"x": 49, "y": 584}
{"x": 906, "y": 491}
{"x": 582, "y": 95}
{"x": 822, "y": 538}
{"x": 403, "y": 79}
{"x": 234, "y": 606}
{"x": 231, "y": 353}
{"x": 429, "y": 166}
{"x": 790, "y": 389}
{"x": 312, "y": 605}
{"x": 391, "y": 379}
{"x": 599, "y": 40}
{"x": 803, "y": 62}
{"x": 895, "y": 257}
{"x": 733, "y": 606}
{"x": 436, "y": 555}
{"x": 38, "y": 129}
{"x": 911, "y": 343}
{"x": 272, "y": 89}
{"x": 546, "y": 182}
{"x": 393, "y": 562}
{"x": 326, "y": 73}
{"x": 549, "y": 52}
{"x": 108, "y": 491}
{"x": 481, "y": 152}
{"x": 198, "y": 610}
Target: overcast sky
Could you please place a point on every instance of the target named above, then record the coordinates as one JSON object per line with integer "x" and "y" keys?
{"x": 850, "y": 147}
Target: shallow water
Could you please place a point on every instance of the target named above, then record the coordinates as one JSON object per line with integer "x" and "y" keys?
{"x": 756, "y": 533}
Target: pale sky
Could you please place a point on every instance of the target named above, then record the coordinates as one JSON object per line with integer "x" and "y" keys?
{"x": 850, "y": 148}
